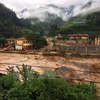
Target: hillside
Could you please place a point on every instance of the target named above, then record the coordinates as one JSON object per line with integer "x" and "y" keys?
{"x": 78, "y": 18}
{"x": 32, "y": 23}
{"x": 44, "y": 26}
{"x": 10, "y": 25}
{"x": 90, "y": 26}
{"x": 7, "y": 14}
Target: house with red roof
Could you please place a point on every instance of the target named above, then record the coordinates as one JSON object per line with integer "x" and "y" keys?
{"x": 78, "y": 36}
{"x": 22, "y": 44}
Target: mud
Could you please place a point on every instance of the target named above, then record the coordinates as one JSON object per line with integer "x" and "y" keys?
{"x": 60, "y": 64}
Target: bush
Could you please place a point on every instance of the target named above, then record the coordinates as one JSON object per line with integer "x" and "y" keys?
{"x": 6, "y": 81}
{"x": 47, "y": 86}
{"x": 18, "y": 92}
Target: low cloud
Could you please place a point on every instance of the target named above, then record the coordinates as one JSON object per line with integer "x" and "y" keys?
{"x": 39, "y": 8}
{"x": 41, "y": 13}
{"x": 95, "y": 6}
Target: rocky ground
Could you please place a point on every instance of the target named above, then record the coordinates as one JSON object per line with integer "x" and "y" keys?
{"x": 75, "y": 68}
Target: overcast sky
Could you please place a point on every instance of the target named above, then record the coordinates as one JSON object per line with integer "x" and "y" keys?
{"x": 18, "y": 5}
{"x": 36, "y": 8}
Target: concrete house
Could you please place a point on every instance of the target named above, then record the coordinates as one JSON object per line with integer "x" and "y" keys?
{"x": 22, "y": 44}
{"x": 11, "y": 41}
{"x": 97, "y": 40}
{"x": 78, "y": 36}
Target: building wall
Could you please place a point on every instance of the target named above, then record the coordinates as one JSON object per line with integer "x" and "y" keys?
{"x": 18, "y": 47}
{"x": 27, "y": 43}
{"x": 23, "y": 44}
{"x": 19, "y": 42}
{"x": 97, "y": 41}
{"x": 11, "y": 41}
{"x": 72, "y": 42}
{"x": 85, "y": 37}
{"x": 80, "y": 49}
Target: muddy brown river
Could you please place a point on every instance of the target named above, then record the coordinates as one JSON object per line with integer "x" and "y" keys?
{"x": 83, "y": 64}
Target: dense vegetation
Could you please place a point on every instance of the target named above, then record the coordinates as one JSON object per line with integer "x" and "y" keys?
{"x": 37, "y": 41}
{"x": 47, "y": 86}
{"x": 7, "y": 14}
{"x": 43, "y": 26}
{"x": 12, "y": 27}
{"x": 91, "y": 26}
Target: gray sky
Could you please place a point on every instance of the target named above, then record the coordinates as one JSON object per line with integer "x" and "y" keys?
{"x": 36, "y": 8}
{"x": 18, "y": 5}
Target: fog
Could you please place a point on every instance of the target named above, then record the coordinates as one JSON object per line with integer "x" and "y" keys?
{"x": 60, "y": 8}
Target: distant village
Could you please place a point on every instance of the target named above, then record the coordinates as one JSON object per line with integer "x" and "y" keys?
{"x": 80, "y": 39}
{"x": 73, "y": 40}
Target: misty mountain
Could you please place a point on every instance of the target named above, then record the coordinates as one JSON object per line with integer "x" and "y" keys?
{"x": 51, "y": 13}
{"x": 43, "y": 12}
{"x": 24, "y": 10}
{"x": 42, "y": 17}
{"x": 63, "y": 12}
{"x": 87, "y": 5}
{"x": 39, "y": 25}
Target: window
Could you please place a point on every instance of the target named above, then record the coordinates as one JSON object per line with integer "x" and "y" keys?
{"x": 24, "y": 42}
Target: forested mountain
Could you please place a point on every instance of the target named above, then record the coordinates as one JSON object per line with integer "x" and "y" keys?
{"x": 35, "y": 23}
{"x": 90, "y": 26}
{"x": 7, "y": 14}
{"x": 44, "y": 26}
{"x": 10, "y": 25}
{"x": 43, "y": 18}
{"x": 94, "y": 18}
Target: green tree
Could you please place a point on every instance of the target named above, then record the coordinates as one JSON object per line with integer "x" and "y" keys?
{"x": 54, "y": 40}
{"x": 53, "y": 30}
{"x": 37, "y": 41}
{"x": 3, "y": 42}
{"x": 6, "y": 83}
